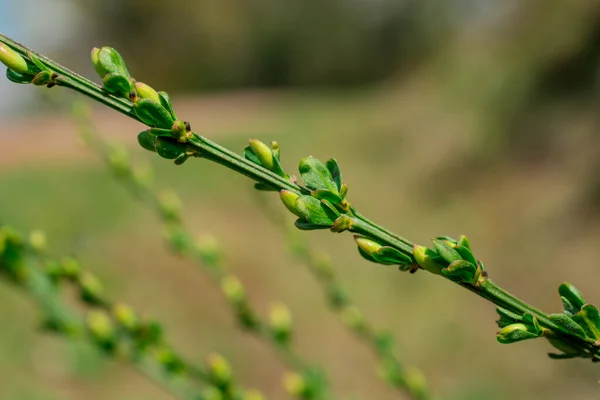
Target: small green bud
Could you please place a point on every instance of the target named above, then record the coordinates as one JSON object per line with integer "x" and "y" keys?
{"x": 423, "y": 257}
{"x": 288, "y": 199}
{"x": 232, "y": 289}
{"x": 38, "y": 241}
{"x": 295, "y": 384}
{"x": 101, "y": 328}
{"x": 170, "y": 205}
{"x": 212, "y": 393}
{"x": 574, "y": 299}
{"x": 125, "y": 316}
{"x": 107, "y": 60}
{"x": 353, "y": 318}
{"x": 209, "y": 249}
{"x": 515, "y": 333}
{"x": 416, "y": 382}
{"x": 91, "y": 288}
{"x": 368, "y": 246}
{"x": 71, "y": 268}
{"x": 219, "y": 370}
{"x": 253, "y": 394}
{"x": 180, "y": 132}
{"x": 12, "y": 59}
{"x": 145, "y": 91}
{"x": 42, "y": 78}
{"x": 263, "y": 153}
{"x": 280, "y": 321}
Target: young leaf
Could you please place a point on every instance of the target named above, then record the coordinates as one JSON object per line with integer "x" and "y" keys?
{"x": 461, "y": 271}
{"x": 304, "y": 225}
{"x": 567, "y": 325}
{"x": 446, "y": 252}
{"x": 153, "y": 114}
{"x": 573, "y": 296}
{"x": 391, "y": 256}
{"x": 323, "y": 194}
{"x": 334, "y": 170}
{"x": 507, "y": 317}
{"x": 316, "y": 175}
{"x": 17, "y": 77}
{"x": 466, "y": 254}
{"x": 589, "y": 320}
{"x": 314, "y": 211}
{"x": 165, "y": 101}
{"x": 116, "y": 84}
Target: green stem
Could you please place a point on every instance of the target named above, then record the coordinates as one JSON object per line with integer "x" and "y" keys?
{"x": 214, "y": 152}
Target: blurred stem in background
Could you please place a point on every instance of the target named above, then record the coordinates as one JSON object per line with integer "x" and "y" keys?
{"x": 115, "y": 329}
{"x": 303, "y": 381}
{"x": 408, "y": 380}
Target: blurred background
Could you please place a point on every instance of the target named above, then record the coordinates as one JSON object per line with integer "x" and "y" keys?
{"x": 447, "y": 117}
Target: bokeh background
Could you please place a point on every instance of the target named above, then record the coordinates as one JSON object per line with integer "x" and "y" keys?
{"x": 447, "y": 117}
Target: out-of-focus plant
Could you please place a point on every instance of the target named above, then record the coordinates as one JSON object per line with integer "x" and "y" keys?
{"x": 319, "y": 203}
{"x": 407, "y": 379}
{"x": 277, "y": 331}
{"x": 114, "y": 328}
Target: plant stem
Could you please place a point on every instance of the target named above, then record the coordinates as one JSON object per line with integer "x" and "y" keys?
{"x": 212, "y": 151}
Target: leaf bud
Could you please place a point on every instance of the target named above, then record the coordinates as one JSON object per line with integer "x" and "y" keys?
{"x": 145, "y": 91}
{"x": 219, "y": 370}
{"x": 263, "y": 153}
{"x": 280, "y": 322}
{"x": 288, "y": 198}
{"x": 12, "y": 59}
{"x": 515, "y": 333}
{"x": 233, "y": 289}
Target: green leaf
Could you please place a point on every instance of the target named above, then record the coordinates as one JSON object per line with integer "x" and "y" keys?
{"x": 315, "y": 212}
{"x": 38, "y": 65}
{"x": 562, "y": 356}
{"x": 507, "y": 317}
{"x": 117, "y": 84}
{"x": 573, "y": 296}
{"x": 169, "y": 148}
{"x": 250, "y": 156}
{"x": 316, "y": 175}
{"x": 568, "y": 308}
{"x": 153, "y": 114}
{"x": 466, "y": 254}
{"x": 567, "y": 325}
{"x": 323, "y": 194}
{"x": 165, "y": 101}
{"x": 16, "y": 77}
{"x": 304, "y": 225}
{"x": 446, "y": 252}
{"x": 589, "y": 320}
{"x": 264, "y": 187}
{"x": 464, "y": 242}
{"x": 147, "y": 141}
{"x": 334, "y": 169}
{"x": 110, "y": 61}
{"x": 461, "y": 271}
{"x": 391, "y": 256}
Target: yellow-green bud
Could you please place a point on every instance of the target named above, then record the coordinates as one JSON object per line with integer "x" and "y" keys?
{"x": 420, "y": 254}
{"x": 353, "y": 318}
{"x": 118, "y": 157}
{"x": 37, "y": 241}
{"x": 126, "y": 316}
{"x": 212, "y": 393}
{"x": 263, "y": 153}
{"x": 96, "y": 62}
{"x": 289, "y": 200}
{"x": 70, "y": 267}
{"x": 294, "y": 384}
{"x": 145, "y": 91}
{"x": 12, "y": 59}
{"x": 209, "y": 249}
{"x": 367, "y": 245}
{"x": 514, "y": 333}
{"x": 253, "y": 394}
{"x": 233, "y": 289}
{"x": 280, "y": 321}
{"x": 100, "y": 326}
{"x": 219, "y": 368}
{"x": 91, "y": 288}
{"x": 416, "y": 382}
{"x": 170, "y": 205}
